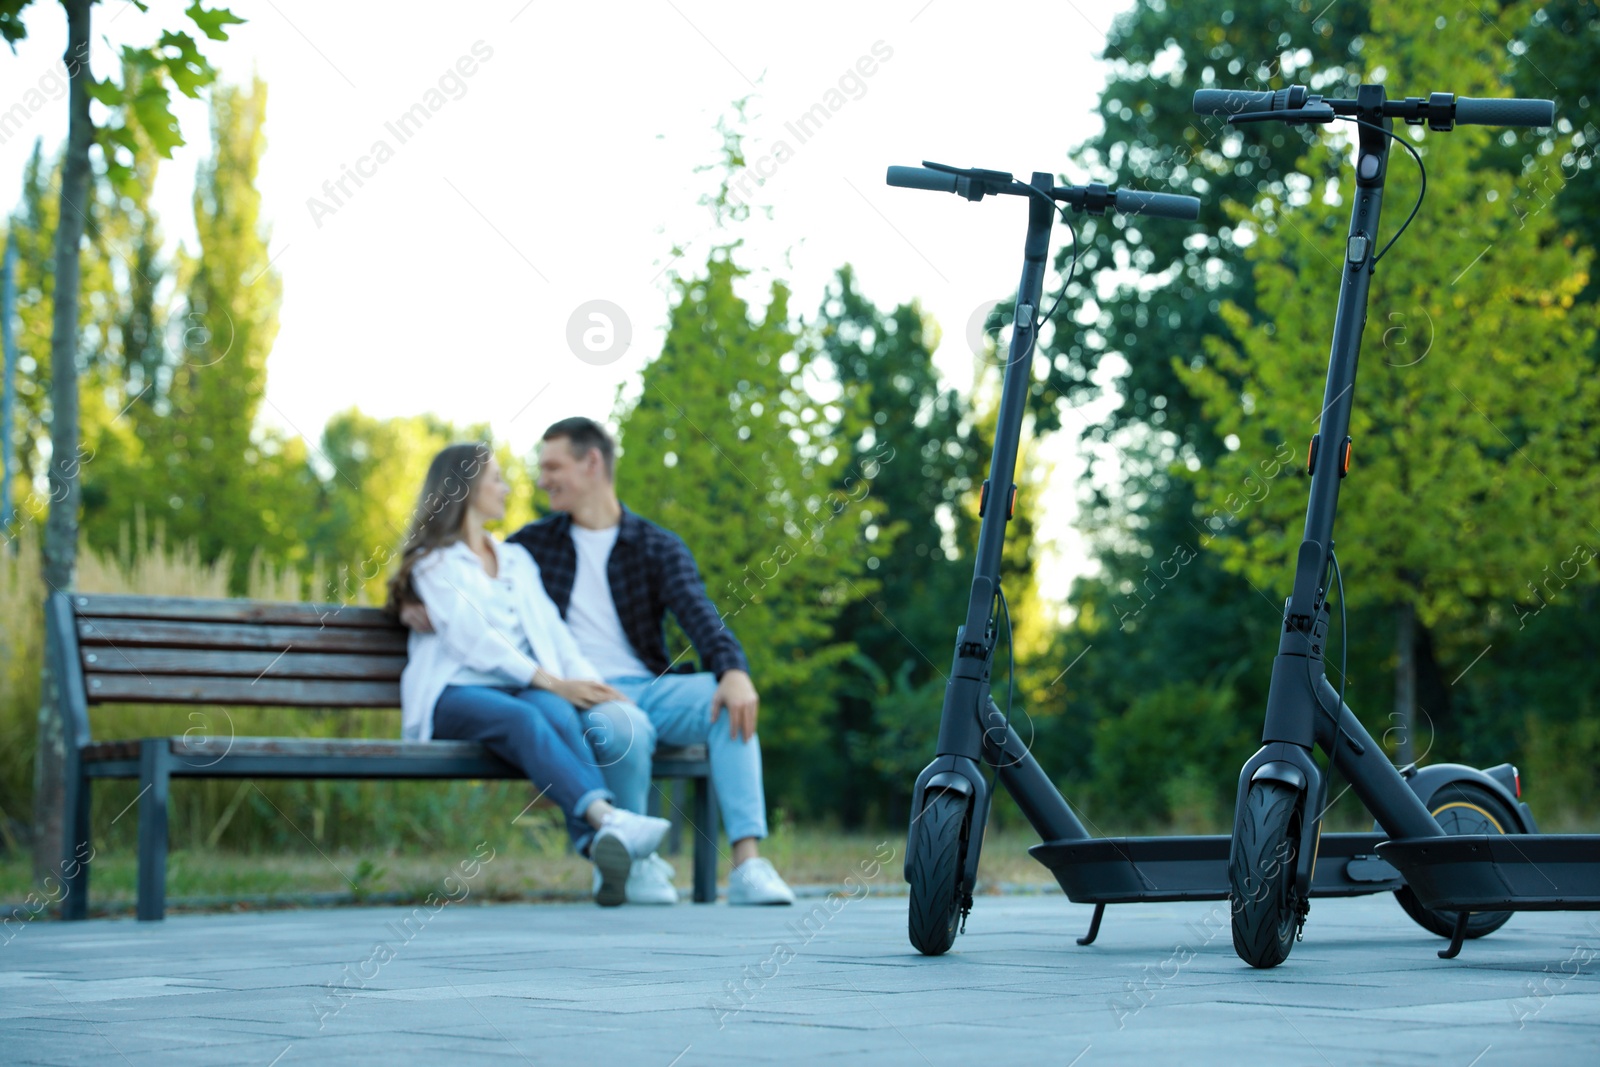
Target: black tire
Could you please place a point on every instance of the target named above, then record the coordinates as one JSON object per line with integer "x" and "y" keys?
{"x": 1266, "y": 909}
{"x": 1462, "y": 808}
{"x": 938, "y": 851}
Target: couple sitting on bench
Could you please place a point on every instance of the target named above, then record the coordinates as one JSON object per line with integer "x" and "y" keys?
{"x": 548, "y": 649}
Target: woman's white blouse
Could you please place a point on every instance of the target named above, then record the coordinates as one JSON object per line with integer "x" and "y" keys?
{"x": 500, "y": 612}
{"x": 501, "y": 635}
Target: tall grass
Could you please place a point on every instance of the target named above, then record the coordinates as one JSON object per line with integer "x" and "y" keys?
{"x": 219, "y": 813}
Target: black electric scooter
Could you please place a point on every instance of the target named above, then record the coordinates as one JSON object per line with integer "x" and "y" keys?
{"x": 950, "y": 805}
{"x": 1469, "y": 852}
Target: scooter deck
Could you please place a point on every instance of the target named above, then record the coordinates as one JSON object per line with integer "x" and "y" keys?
{"x": 1514, "y": 872}
{"x": 1127, "y": 870}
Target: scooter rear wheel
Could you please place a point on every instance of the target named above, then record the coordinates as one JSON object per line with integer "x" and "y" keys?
{"x": 1266, "y": 909}
{"x": 1462, "y": 808}
{"x": 938, "y": 854}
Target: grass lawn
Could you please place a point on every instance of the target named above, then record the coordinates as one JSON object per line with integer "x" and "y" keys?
{"x": 535, "y": 864}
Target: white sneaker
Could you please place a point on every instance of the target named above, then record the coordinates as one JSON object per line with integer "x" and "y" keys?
{"x": 756, "y": 882}
{"x": 623, "y": 838}
{"x": 649, "y": 881}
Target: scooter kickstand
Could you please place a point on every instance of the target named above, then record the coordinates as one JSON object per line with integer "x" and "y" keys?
{"x": 1458, "y": 936}
{"x": 1094, "y": 926}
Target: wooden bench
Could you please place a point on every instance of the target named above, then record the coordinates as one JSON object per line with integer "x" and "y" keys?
{"x": 171, "y": 650}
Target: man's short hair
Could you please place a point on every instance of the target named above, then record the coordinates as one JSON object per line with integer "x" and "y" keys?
{"x": 586, "y": 435}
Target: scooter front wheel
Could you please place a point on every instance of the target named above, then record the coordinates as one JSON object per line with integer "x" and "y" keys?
{"x": 938, "y": 854}
{"x": 1266, "y": 909}
{"x": 1462, "y": 808}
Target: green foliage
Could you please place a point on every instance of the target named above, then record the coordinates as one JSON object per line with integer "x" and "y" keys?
{"x": 1172, "y": 760}
{"x": 1159, "y": 53}
{"x": 142, "y": 103}
{"x": 1468, "y": 466}
{"x": 1554, "y": 57}
{"x": 1141, "y": 623}
{"x": 1160, "y": 610}
{"x": 730, "y": 447}
{"x": 897, "y": 739}
{"x": 920, "y": 438}
{"x": 188, "y": 451}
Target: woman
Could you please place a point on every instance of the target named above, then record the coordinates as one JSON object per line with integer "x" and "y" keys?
{"x": 501, "y": 668}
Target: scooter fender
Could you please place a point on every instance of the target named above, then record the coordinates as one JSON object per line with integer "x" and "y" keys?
{"x": 956, "y": 774}
{"x": 1427, "y": 781}
{"x": 1280, "y": 761}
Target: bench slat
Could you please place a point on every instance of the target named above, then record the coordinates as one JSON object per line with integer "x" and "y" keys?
{"x": 199, "y": 609}
{"x": 269, "y": 691}
{"x": 210, "y": 748}
{"x": 158, "y": 633}
{"x": 316, "y": 665}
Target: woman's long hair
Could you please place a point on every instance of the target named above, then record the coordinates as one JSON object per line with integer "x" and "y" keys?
{"x": 441, "y": 512}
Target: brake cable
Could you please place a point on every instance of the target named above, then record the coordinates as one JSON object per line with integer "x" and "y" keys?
{"x": 1403, "y": 143}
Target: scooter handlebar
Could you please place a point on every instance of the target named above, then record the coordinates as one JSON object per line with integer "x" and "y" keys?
{"x": 922, "y": 178}
{"x": 1158, "y": 205}
{"x": 1231, "y": 101}
{"x": 1473, "y": 111}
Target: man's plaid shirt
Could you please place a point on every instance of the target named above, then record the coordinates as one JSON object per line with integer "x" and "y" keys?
{"x": 651, "y": 572}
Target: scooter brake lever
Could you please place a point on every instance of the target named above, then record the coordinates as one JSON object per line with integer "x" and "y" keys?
{"x": 1319, "y": 113}
{"x": 979, "y": 173}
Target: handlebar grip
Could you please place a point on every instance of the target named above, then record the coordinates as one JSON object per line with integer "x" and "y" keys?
{"x": 922, "y": 178}
{"x": 1230, "y": 101}
{"x": 1472, "y": 111}
{"x": 1157, "y": 205}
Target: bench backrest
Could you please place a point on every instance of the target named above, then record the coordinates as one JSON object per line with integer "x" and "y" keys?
{"x": 183, "y": 650}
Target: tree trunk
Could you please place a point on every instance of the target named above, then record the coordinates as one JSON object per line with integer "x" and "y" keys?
{"x": 61, "y": 529}
{"x": 1405, "y": 682}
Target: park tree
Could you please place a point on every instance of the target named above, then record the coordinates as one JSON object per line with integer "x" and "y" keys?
{"x": 902, "y": 630}
{"x": 1553, "y": 55}
{"x": 1154, "y": 610}
{"x": 174, "y": 59}
{"x": 124, "y": 394}
{"x": 739, "y": 443}
{"x": 32, "y": 226}
{"x": 1471, "y": 474}
{"x": 216, "y": 463}
{"x": 1143, "y": 618}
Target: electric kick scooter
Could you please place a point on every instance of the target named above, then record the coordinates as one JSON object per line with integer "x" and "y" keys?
{"x": 1468, "y": 850}
{"x": 950, "y": 805}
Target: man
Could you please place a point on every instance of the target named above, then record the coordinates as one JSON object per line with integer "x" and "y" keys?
{"x": 614, "y": 576}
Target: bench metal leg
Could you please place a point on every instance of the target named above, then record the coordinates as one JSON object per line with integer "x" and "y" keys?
{"x": 75, "y": 864}
{"x": 705, "y": 842}
{"x": 155, "y": 769}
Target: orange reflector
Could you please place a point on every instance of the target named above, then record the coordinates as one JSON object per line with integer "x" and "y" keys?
{"x": 1344, "y": 463}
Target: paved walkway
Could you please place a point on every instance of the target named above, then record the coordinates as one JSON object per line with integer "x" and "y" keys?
{"x": 570, "y": 984}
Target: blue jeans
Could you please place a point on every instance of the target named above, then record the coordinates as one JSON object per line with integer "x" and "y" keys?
{"x": 679, "y": 711}
{"x": 535, "y": 731}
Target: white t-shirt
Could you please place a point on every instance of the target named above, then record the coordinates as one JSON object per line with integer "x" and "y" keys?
{"x": 592, "y": 614}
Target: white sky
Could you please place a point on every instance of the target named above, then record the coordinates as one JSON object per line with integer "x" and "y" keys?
{"x": 566, "y": 172}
